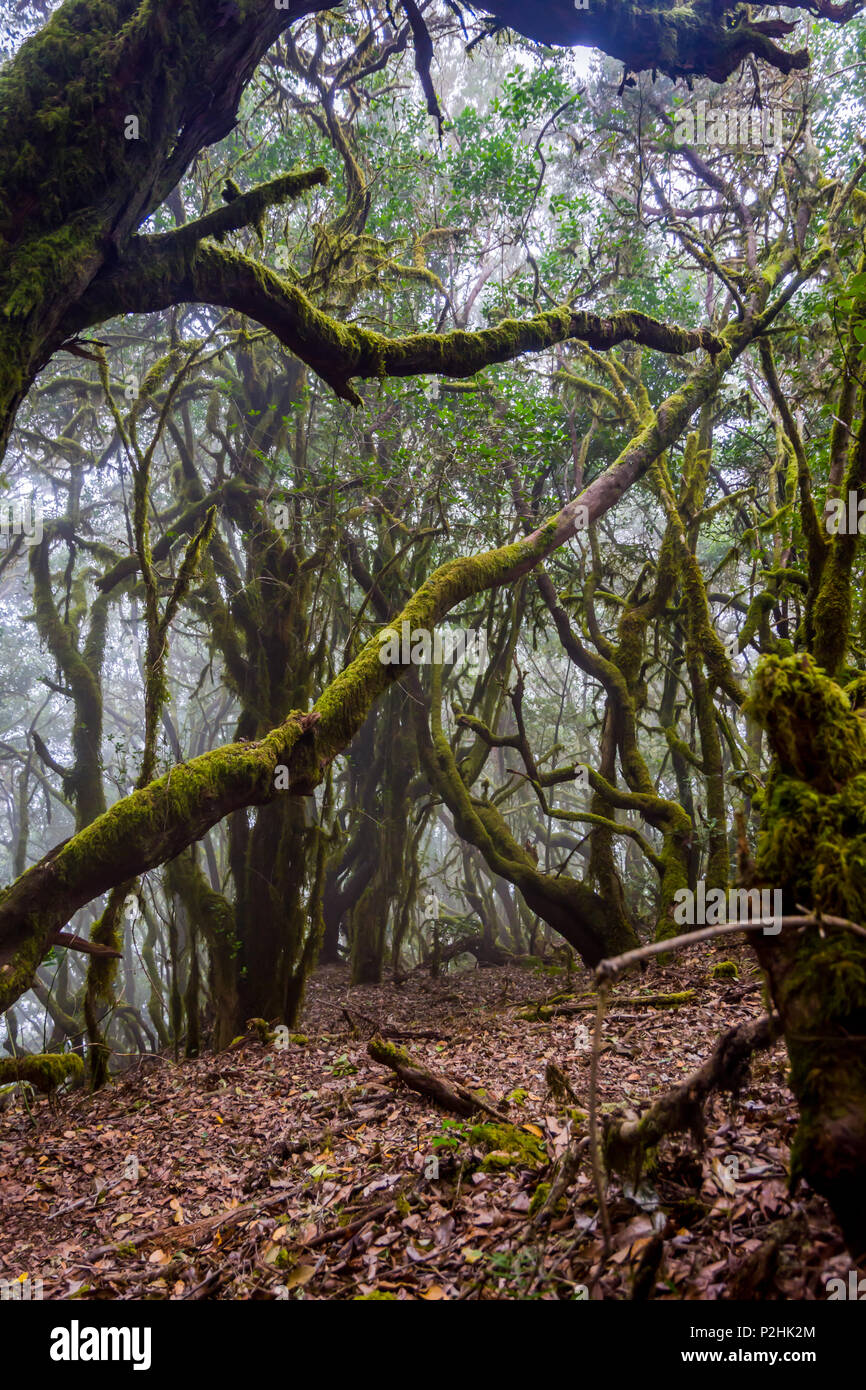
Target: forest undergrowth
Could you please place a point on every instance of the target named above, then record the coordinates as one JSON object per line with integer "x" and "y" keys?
{"x": 301, "y": 1168}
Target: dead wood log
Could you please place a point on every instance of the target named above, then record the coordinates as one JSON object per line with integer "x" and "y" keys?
{"x": 542, "y": 1013}
{"x": 444, "y": 1091}
{"x": 284, "y": 1148}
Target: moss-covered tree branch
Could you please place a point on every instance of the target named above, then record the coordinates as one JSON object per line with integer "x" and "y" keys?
{"x": 157, "y": 272}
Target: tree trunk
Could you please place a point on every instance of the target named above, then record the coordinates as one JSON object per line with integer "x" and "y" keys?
{"x": 812, "y": 847}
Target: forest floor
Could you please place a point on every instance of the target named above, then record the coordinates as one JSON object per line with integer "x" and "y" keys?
{"x": 311, "y": 1172}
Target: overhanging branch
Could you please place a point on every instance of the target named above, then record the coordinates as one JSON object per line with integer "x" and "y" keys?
{"x": 689, "y": 39}
{"x": 157, "y": 272}
{"x": 155, "y": 823}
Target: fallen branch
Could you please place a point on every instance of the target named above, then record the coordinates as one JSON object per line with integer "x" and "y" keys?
{"x": 92, "y": 1198}
{"x": 286, "y": 1147}
{"x": 544, "y": 1012}
{"x": 451, "y": 1095}
{"x": 682, "y": 1108}
{"x": 357, "y": 1022}
{"x": 346, "y": 1232}
{"x": 186, "y": 1231}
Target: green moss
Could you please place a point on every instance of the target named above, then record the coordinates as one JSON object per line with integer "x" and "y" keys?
{"x": 673, "y": 1001}
{"x": 538, "y": 1013}
{"x": 517, "y": 1096}
{"x": 539, "y": 1198}
{"x": 376, "y": 1297}
{"x": 813, "y": 847}
{"x": 815, "y": 734}
{"x": 508, "y": 1146}
{"x": 675, "y": 878}
{"x": 390, "y": 1054}
{"x": 45, "y": 1071}
{"x": 831, "y": 619}
{"x": 725, "y": 970}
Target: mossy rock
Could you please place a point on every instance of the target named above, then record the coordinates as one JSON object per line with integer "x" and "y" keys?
{"x": 725, "y": 970}
{"x": 517, "y": 1096}
{"x": 375, "y": 1297}
{"x": 299, "y": 1039}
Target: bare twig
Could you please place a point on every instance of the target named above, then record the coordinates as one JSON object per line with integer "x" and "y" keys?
{"x": 598, "y": 1172}
{"x": 614, "y": 965}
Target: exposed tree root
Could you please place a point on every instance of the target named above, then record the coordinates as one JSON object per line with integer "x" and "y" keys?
{"x": 755, "y": 1276}
{"x": 626, "y": 1141}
